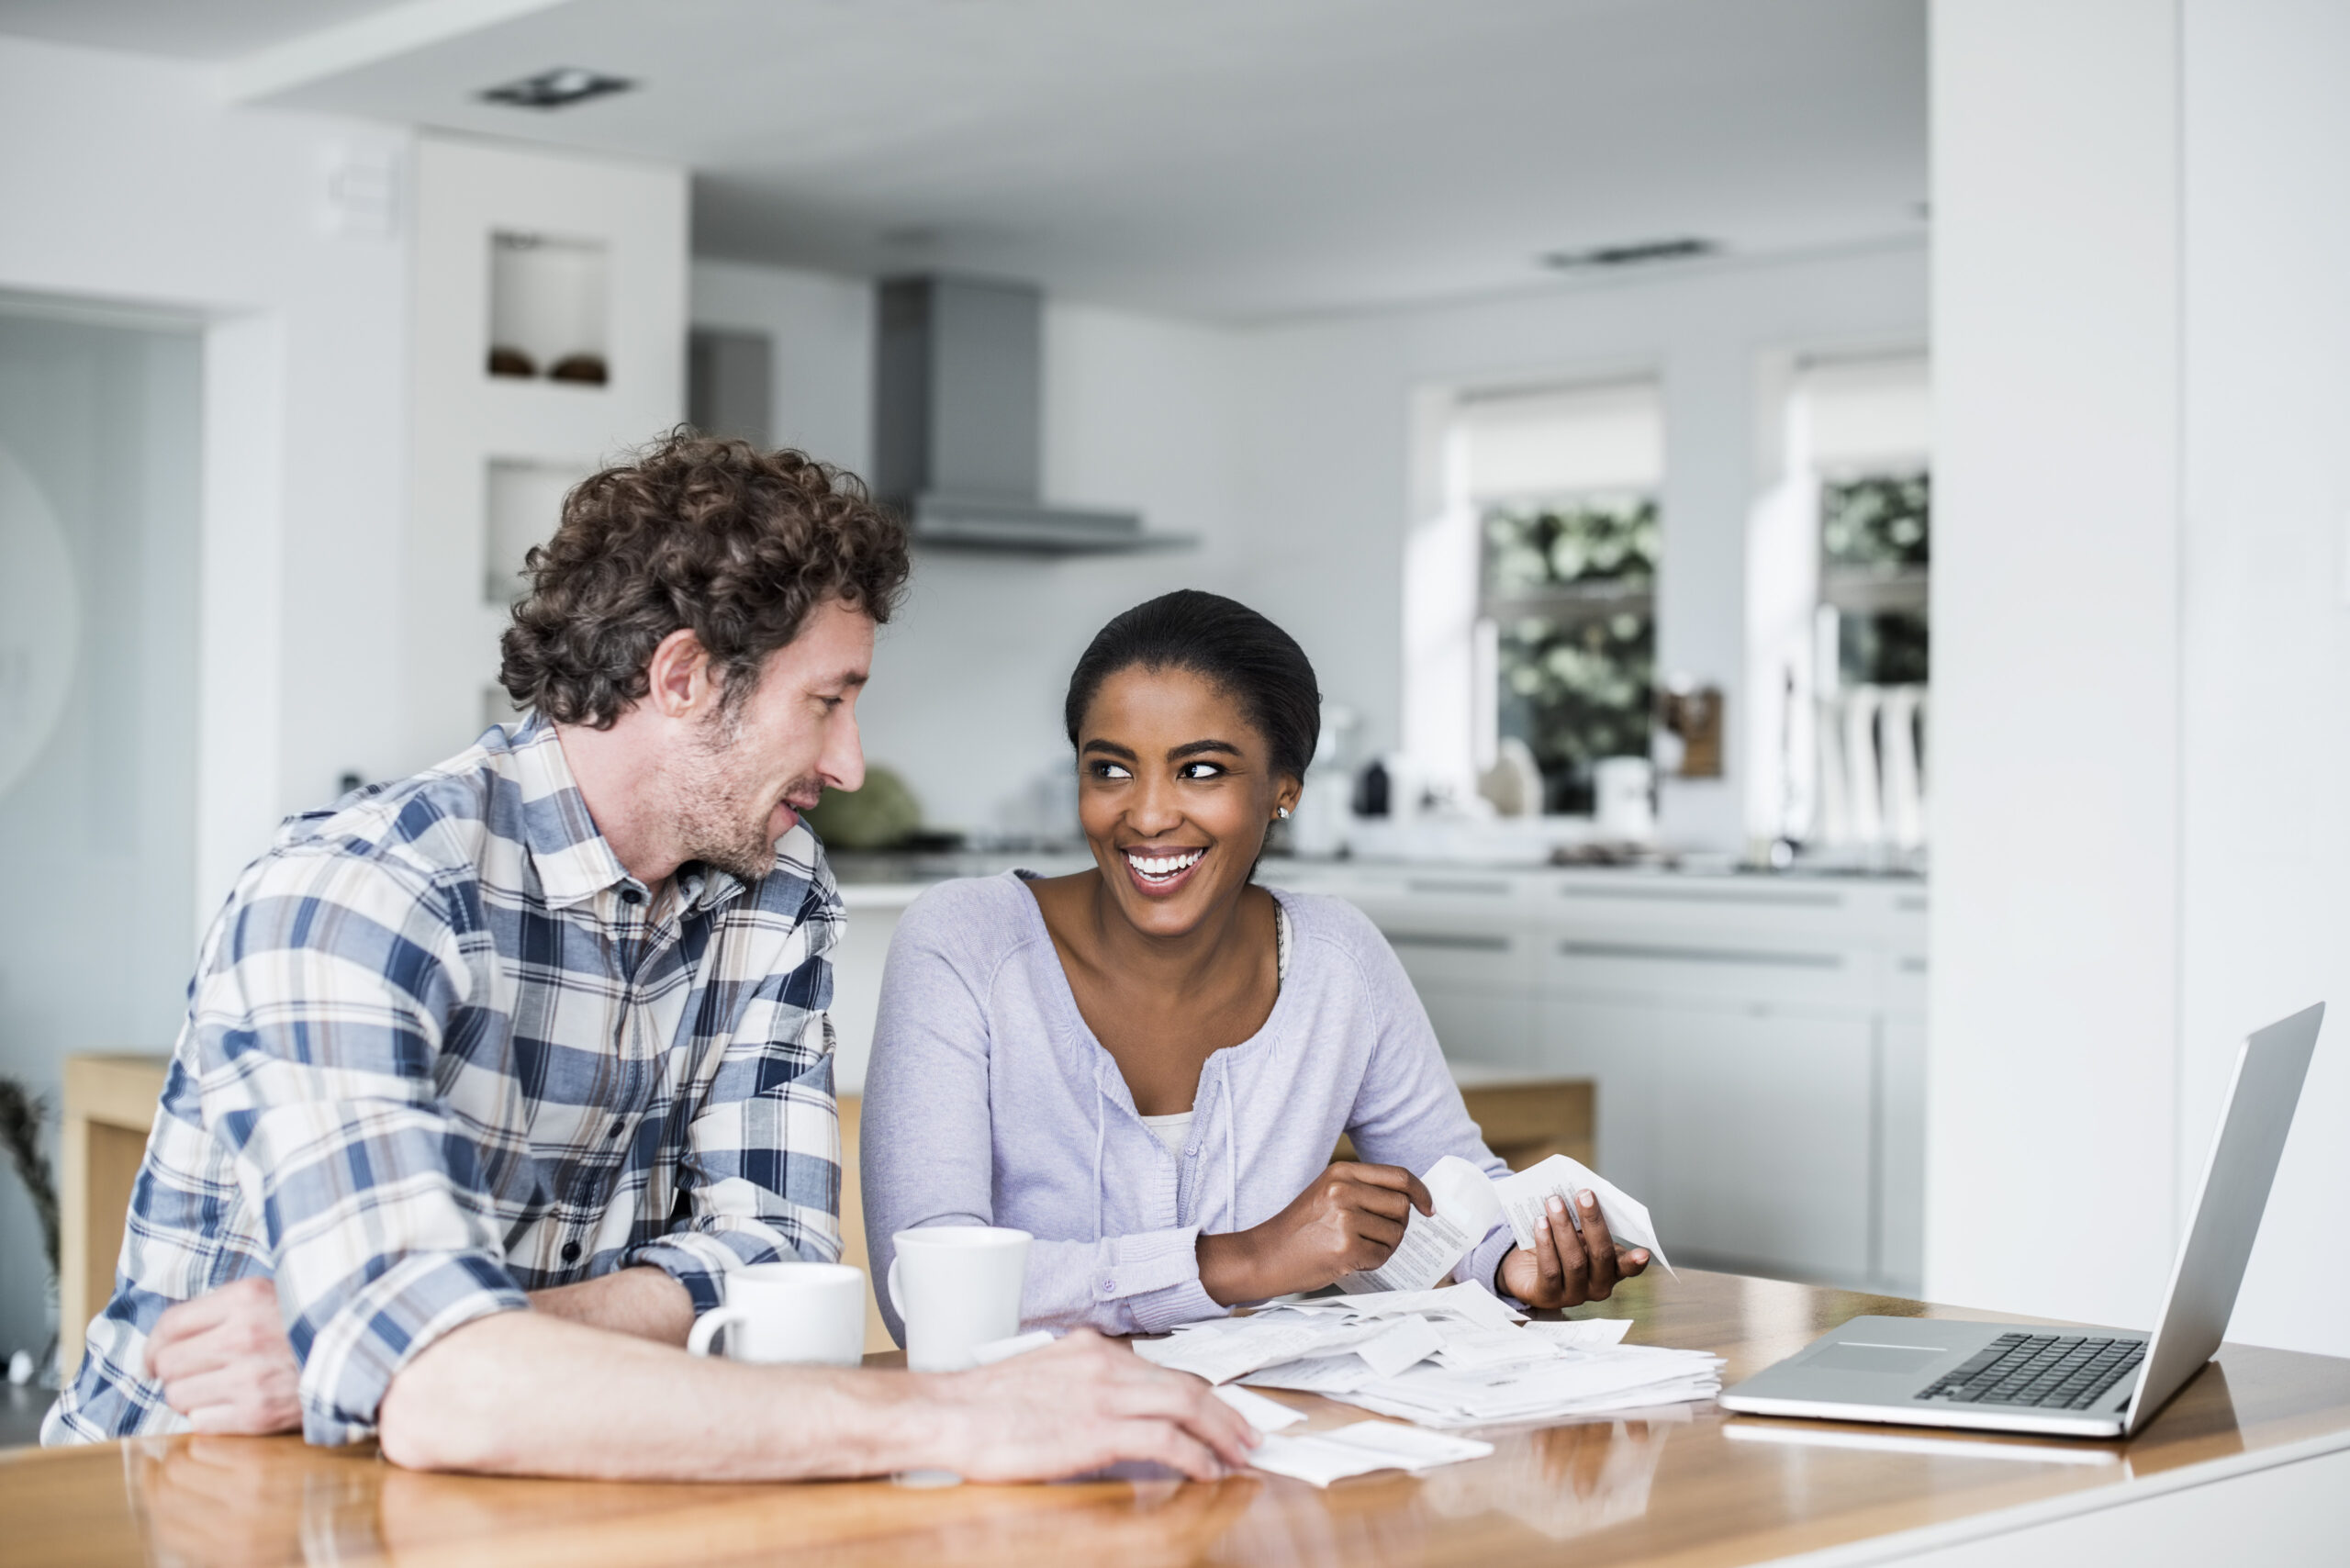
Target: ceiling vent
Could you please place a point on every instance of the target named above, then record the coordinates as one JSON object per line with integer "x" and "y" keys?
{"x": 1638, "y": 254}
{"x": 556, "y": 89}
{"x": 958, "y": 423}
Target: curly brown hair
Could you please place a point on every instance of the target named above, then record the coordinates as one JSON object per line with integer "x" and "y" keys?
{"x": 734, "y": 543}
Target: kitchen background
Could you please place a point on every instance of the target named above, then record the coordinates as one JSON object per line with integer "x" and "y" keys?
{"x": 1688, "y": 380}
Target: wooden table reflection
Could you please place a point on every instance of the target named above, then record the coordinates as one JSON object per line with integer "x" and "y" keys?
{"x": 1685, "y": 1485}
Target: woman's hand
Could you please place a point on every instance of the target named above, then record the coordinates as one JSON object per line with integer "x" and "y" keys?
{"x": 1349, "y": 1220}
{"x": 1566, "y": 1267}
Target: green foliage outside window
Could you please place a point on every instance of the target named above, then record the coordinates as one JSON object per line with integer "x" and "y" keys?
{"x": 1876, "y": 543}
{"x": 1591, "y": 542}
{"x": 1875, "y": 520}
{"x": 1569, "y": 586}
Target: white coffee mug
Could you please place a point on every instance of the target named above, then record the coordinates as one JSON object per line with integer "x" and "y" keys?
{"x": 956, "y": 1287}
{"x": 789, "y": 1312}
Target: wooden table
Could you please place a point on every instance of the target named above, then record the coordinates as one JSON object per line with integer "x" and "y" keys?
{"x": 2258, "y": 1443}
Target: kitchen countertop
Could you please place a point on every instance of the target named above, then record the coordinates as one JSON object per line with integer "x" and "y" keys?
{"x": 884, "y": 877}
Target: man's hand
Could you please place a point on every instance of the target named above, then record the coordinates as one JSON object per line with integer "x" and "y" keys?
{"x": 225, "y": 1363}
{"x": 1566, "y": 1267}
{"x": 1349, "y": 1220}
{"x": 1079, "y": 1405}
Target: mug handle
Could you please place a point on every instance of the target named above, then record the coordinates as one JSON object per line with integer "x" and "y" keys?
{"x": 706, "y": 1328}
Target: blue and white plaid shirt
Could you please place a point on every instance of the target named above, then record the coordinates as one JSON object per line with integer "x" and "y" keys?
{"x": 441, "y": 1050}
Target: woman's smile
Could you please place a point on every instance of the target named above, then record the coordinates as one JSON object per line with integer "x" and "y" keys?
{"x": 1159, "y": 872}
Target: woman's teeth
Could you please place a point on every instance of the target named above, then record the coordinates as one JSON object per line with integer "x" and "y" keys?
{"x": 1160, "y": 867}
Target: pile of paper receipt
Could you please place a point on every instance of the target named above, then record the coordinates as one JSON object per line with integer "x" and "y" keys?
{"x": 1451, "y": 1358}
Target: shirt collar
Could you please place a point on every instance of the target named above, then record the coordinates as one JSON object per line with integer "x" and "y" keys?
{"x": 574, "y": 860}
{"x": 571, "y": 856}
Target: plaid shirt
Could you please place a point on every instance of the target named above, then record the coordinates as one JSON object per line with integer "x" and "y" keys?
{"x": 443, "y": 1050}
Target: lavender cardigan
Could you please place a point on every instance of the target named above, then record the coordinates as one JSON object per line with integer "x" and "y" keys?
{"x": 989, "y": 1102}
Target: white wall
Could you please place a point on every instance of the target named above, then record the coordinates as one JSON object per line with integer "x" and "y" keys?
{"x": 2140, "y": 627}
{"x": 1326, "y": 437}
{"x": 124, "y": 178}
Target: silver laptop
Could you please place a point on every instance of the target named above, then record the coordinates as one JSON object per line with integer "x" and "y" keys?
{"x": 2084, "y": 1383}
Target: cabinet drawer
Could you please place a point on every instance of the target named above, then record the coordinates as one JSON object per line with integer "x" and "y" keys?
{"x": 1732, "y": 965}
{"x": 1439, "y": 952}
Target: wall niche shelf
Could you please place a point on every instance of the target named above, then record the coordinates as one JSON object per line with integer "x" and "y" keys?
{"x": 523, "y": 503}
{"x": 550, "y": 308}
{"x": 551, "y": 255}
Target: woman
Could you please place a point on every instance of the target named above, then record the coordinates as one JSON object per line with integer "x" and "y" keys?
{"x": 1148, "y": 1064}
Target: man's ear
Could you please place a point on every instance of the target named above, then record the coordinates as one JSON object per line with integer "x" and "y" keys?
{"x": 678, "y": 678}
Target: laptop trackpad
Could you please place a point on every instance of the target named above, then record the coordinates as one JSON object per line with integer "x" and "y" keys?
{"x": 1847, "y": 1355}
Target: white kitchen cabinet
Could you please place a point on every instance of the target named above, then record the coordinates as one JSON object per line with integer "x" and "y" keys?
{"x": 1612, "y": 1042}
{"x": 1762, "y": 1144}
{"x": 1901, "y": 1229}
{"x": 1757, "y": 1044}
{"x": 1490, "y": 1028}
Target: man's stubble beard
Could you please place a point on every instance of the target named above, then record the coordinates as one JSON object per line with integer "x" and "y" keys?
{"x": 720, "y": 822}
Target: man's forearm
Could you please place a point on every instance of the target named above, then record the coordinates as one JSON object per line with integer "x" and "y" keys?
{"x": 528, "y": 1393}
{"x": 644, "y": 1302}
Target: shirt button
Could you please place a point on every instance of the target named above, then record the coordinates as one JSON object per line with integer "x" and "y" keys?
{"x": 632, "y": 896}
{"x": 571, "y": 1252}
{"x": 618, "y": 1129}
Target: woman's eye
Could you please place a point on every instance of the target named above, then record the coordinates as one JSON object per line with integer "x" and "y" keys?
{"x": 1199, "y": 770}
{"x": 1110, "y": 771}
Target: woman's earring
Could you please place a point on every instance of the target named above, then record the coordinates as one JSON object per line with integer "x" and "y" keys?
{"x": 1284, "y": 811}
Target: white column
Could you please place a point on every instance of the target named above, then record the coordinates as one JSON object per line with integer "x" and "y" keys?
{"x": 240, "y": 603}
{"x": 2052, "y": 1088}
{"x": 2266, "y": 608}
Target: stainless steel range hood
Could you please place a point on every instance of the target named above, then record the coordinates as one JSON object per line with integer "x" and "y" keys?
{"x": 958, "y": 395}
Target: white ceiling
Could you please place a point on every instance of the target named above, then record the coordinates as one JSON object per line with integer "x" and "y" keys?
{"x": 186, "y": 30}
{"x": 1218, "y": 158}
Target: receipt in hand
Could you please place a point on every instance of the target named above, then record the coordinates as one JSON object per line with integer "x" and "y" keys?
{"x": 1465, "y": 1209}
{"x": 1524, "y": 1195}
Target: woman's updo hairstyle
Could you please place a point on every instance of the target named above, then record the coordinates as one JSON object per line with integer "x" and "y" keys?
{"x": 1225, "y": 643}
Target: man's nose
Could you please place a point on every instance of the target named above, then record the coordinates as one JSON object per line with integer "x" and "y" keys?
{"x": 843, "y": 762}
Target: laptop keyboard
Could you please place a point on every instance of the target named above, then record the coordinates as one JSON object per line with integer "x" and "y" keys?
{"x": 2053, "y": 1372}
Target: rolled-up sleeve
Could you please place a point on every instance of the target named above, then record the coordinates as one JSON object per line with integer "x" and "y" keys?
{"x": 316, "y": 1029}
{"x": 761, "y": 1171}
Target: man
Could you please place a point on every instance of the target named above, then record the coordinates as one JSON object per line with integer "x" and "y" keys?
{"x": 491, "y": 1076}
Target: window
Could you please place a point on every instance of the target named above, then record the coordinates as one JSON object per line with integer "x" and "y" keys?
{"x": 1845, "y": 636}
{"x": 1868, "y": 427}
{"x": 1872, "y": 560}
{"x": 1564, "y": 484}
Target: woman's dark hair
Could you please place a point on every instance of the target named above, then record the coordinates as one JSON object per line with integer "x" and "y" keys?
{"x": 1224, "y": 641}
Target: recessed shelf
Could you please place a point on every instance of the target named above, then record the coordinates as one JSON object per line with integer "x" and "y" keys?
{"x": 522, "y": 506}
{"x": 550, "y": 306}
